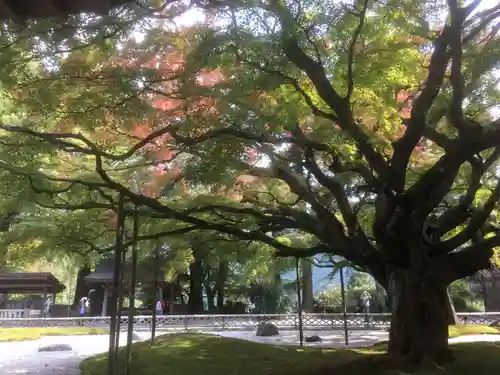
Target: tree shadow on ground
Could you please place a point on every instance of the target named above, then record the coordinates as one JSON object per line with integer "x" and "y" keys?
{"x": 195, "y": 354}
{"x": 479, "y": 358}
{"x": 369, "y": 364}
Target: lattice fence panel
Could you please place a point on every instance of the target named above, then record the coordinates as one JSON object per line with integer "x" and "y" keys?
{"x": 237, "y": 322}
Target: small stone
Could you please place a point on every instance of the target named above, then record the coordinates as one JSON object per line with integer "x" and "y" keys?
{"x": 55, "y": 348}
{"x": 495, "y": 324}
{"x": 314, "y": 338}
{"x": 267, "y": 329}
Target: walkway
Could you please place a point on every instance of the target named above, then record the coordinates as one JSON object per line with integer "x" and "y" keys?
{"x": 24, "y": 358}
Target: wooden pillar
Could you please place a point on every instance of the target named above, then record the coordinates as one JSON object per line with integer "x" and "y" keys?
{"x": 44, "y": 312}
{"x": 172, "y": 298}
{"x": 105, "y": 301}
{"x": 5, "y": 300}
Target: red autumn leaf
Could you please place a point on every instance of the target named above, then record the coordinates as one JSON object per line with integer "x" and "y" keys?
{"x": 172, "y": 62}
{"x": 159, "y": 178}
{"x": 141, "y": 130}
{"x": 148, "y": 190}
{"x": 167, "y": 104}
{"x": 402, "y": 96}
{"x": 245, "y": 180}
{"x": 152, "y": 64}
{"x": 251, "y": 154}
{"x": 164, "y": 154}
{"x": 406, "y": 112}
{"x": 209, "y": 78}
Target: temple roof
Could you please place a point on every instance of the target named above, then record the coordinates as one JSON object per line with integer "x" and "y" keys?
{"x": 29, "y": 283}
{"x": 103, "y": 274}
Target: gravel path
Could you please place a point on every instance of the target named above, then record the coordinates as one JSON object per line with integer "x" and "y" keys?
{"x": 24, "y": 358}
{"x": 331, "y": 339}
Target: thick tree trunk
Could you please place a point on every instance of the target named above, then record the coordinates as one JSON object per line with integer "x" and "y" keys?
{"x": 419, "y": 326}
{"x": 452, "y": 314}
{"x": 196, "y": 287}
{"x": 210, "y": 292}
{"x": 307, "y": 286}
{"x": 220, "y": 284}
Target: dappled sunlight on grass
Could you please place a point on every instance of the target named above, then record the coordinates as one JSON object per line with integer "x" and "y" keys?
{"x": 207, "y": 354}
{"x": 464, "y": 330}
{"x": 25, "y": 334}
{"x": 194, "y": 354}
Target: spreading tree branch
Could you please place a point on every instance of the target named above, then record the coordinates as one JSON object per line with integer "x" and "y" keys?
{"x": 352, "y": 45}
{"x": 315, "y": 71}
{"x": 416, "y": 126}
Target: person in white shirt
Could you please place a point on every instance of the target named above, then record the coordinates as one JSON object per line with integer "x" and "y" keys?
{"x": 159, "y": 308}
{"x": 47, "y": 307}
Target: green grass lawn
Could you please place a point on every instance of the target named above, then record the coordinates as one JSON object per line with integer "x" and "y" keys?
{"x": 196, "y": 354}
{"x": 464, "y": 330}
{"x": 25, "y": 334}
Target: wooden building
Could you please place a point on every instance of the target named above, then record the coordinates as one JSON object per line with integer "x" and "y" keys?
{"x": 100, "y": 284}
{"x": 37, "y": 286}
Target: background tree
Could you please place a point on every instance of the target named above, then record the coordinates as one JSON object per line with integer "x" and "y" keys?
{"x": 464, "y": 299}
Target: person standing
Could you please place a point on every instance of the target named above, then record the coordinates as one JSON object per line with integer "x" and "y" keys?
{"x": 47, "y": 307}
{"x": 83, "y": 306}
{"x": 159, "y": 307}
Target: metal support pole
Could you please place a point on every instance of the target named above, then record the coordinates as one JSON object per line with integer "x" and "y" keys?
{"x": 344, "y": 306}
{"x": 133, "y": 282}
{"x": 120, "y": 303}
{"x": 44, "y": 307}
{"x": 155, "y": 288}
{"x": 104, "y": 310}
{"x": 120, "y": 223}
{"x": 299, "y": 303}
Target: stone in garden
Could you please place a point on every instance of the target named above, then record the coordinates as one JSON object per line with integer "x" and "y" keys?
{"x": 314, "y": 338}
{"x": 55, "y": 348}
{"x": 267, "y": 329}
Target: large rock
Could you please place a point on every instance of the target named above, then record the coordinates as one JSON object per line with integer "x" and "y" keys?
{"x": 495, "y": 324}
{"x": 55, "y": 348}
{"x": 267, "y": 329}
{"x": 314, "y": 338}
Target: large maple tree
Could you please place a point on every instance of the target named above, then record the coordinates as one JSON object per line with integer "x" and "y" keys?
{"x": 369, "y": 129}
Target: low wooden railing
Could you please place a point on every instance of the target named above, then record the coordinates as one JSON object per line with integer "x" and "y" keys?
{"x": 12, "y": 314}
